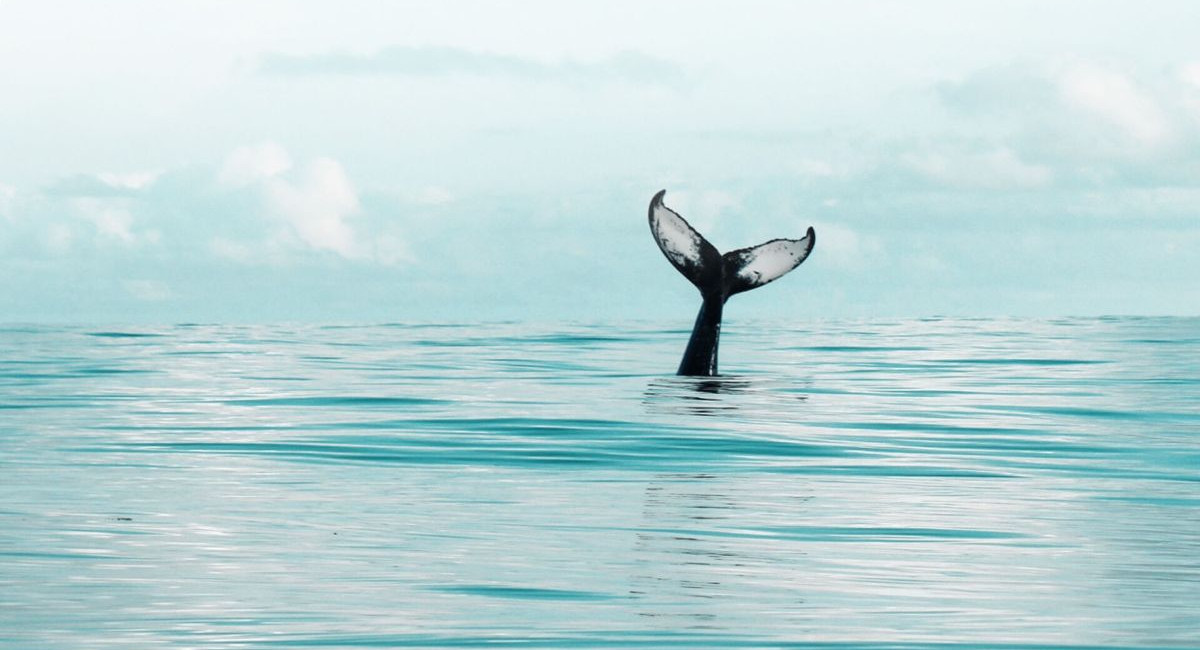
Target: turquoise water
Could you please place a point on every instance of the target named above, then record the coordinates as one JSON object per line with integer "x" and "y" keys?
{"x": 879, "y": 484}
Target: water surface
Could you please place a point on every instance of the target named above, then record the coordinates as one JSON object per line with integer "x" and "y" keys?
{"x": 889, "y": 484}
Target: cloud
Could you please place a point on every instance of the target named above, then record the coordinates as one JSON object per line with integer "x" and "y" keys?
{"x": 812, "y": 168}
{"x": 843, "y": 247}
{"x": 1189, "y": 73}
{"x": 106, "y": 201}
{"x": 113, "y": 221}
{"x": 253, "y": 163}
{"x": 634, "y": 67}
{"x": 8, "y": 196}
{"x": 434, "y": 195}
{"x": 1017, "y": 91}
{"x": 704, "y": 209}
{"x": 998, "y": 168}
{"x": 148, "y": 290}
{"x": 1116, "y": 99}
{"x": 313, "y": 206}
{"x": 1072, "y": 96}
{"x": 59, "y": 238}
{"x": 257, "y": 206}
{"x": 87, "y": 185}
{"x": 1074, "y": 122}
{"x": 129, "y": 180}
{"x": 316, "y": 206}
{"x": 237, "y": 251}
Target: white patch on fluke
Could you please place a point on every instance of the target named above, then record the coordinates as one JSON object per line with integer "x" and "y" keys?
{"x": 770, "y": 261}
{"x": 675, "y": 237}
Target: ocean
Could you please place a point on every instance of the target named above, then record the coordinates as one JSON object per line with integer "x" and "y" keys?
{"x": 945, "y": 483}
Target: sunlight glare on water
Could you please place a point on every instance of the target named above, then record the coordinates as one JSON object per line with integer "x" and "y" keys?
{"x": 957, "y": 483}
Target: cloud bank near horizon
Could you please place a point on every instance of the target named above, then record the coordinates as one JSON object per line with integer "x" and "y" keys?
{"x": 431, "y": 61}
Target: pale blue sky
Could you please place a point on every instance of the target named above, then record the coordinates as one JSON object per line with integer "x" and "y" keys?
{"x": 392, "y": 161}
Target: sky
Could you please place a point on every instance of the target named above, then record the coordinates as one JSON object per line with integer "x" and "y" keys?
{"x": 355, "y": 161}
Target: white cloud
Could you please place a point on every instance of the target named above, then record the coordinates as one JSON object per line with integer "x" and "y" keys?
{"x": 316, "y": 207}
{"x": 313, "y": 206}
{"x": 101, "y": 209}
{"x": 435, "y": 195}
{"x": 389, "y": 249}
{"x": 8, "y": 195}
{"x": 130, "y": 180}
{"x": 926, "y": 262}
{"x": 1114, "y": 98}
{"x": 112, "y": 219}
{"x": 842, "y": 247}
{"x": 232, "y": 250}
{"x": 59, "y": 238}
{"x": 148, "y": 290}
{"x": 1189, "y": 74}
{"x": 702, "y": 209}
{"x": 250, "y": 164}
{"x": 102, "y": 185}
{"x": 286, "y": 209}
{"x": 813, "y": 168}
{"x": 996, "y": 169}
{"x": 1087, "y": 121}
{"x": 629, "y": 66}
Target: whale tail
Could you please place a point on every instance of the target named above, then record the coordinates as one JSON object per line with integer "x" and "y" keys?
{"x": 718, "y": 276}
{"x": 715, "y": 274}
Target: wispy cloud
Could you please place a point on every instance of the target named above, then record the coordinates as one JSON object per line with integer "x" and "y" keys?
{"x": 313, "y": 207}
{"x": 8, "y": 196}
{"x": 258, "y": 206}
{"x": 1189, "y": 73}
{"x": 317, "y": 207}
{"x": 102, "y": 204}
{"x": 628, "y": 66}
{"x": 113, "y": 221}
{"x": 845, "y": 248}
{"x": 253, "y": 163}
{"x": 87, "y": 185}
{"x": 998, "y": 168}
{"x": 1116, "y": 99}
{"x": 1074, "y": 122}
{"x": 434, "y": 195}
{"x": 148, "y": 290}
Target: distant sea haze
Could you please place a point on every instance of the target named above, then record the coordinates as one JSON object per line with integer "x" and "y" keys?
{"x": 956, "y": 483}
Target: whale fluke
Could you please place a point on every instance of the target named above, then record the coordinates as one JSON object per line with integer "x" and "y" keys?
{"x": 718, "y": 276}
